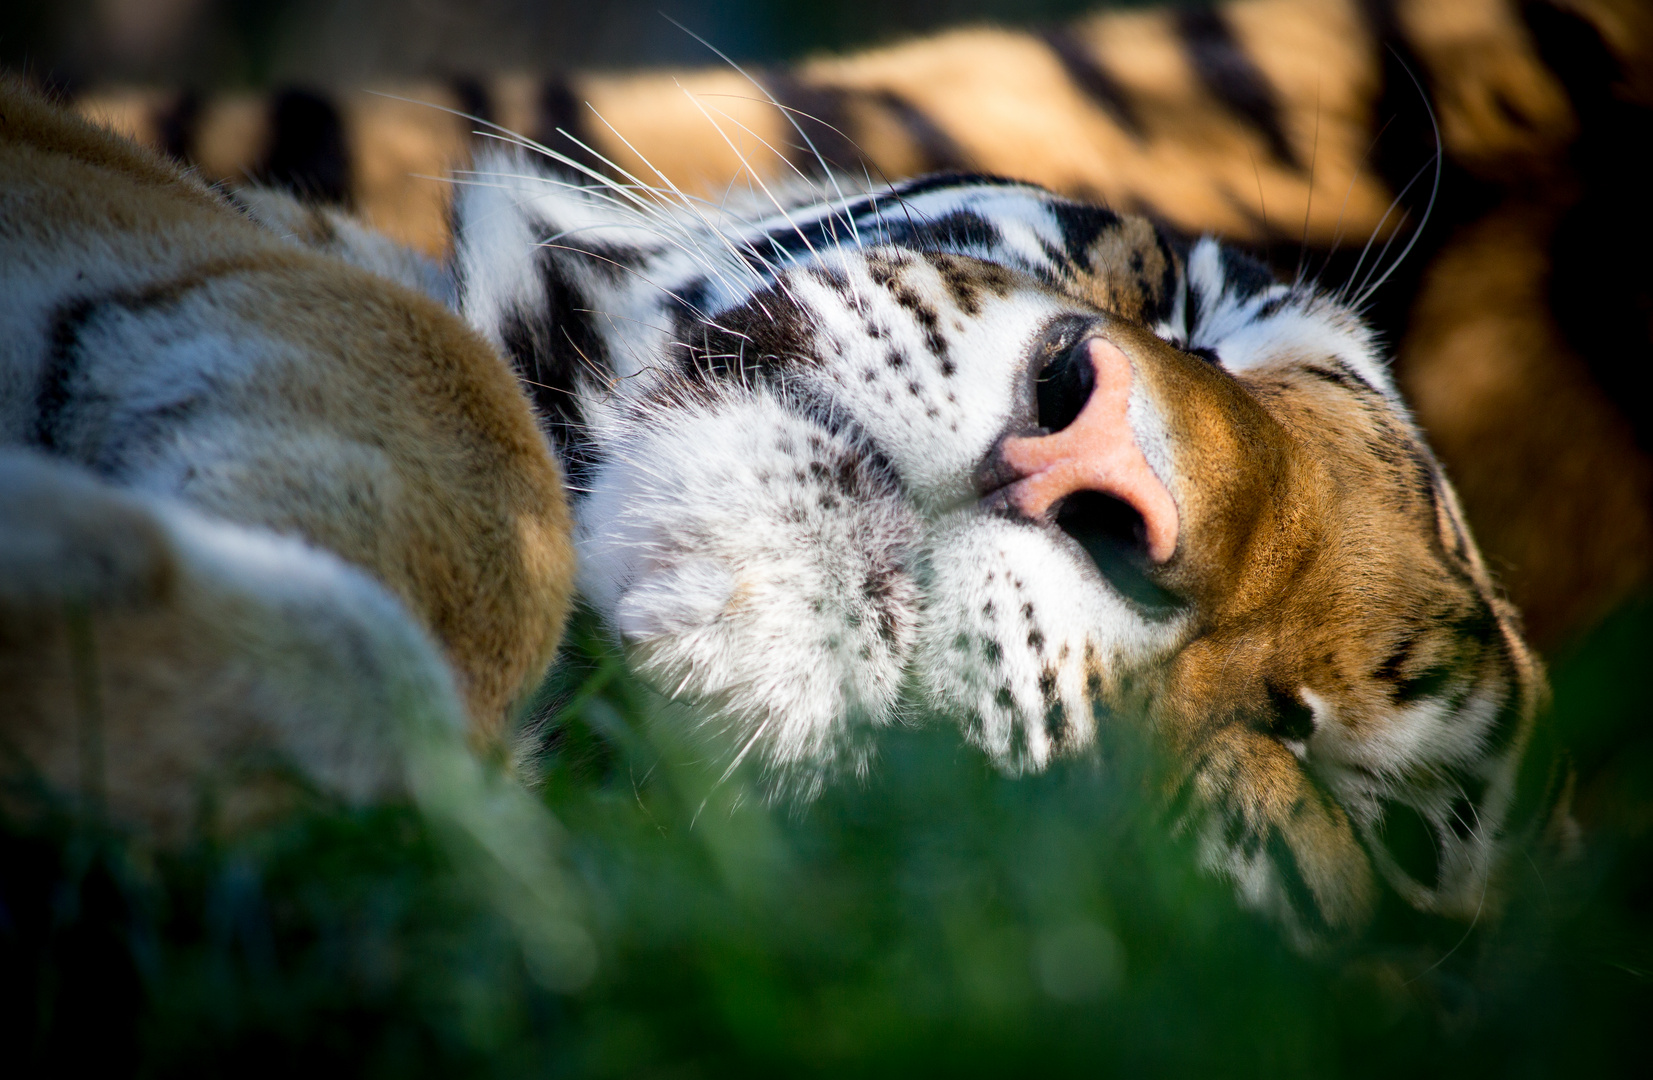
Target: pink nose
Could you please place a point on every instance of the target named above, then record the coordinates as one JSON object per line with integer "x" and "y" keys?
{"x": 1097, "y": 452}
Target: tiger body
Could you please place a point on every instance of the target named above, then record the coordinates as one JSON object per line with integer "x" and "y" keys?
{"x": 256, "y": 500}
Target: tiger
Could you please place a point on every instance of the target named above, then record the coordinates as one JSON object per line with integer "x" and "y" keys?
{"x": 961, "y": 450}
{"x": 266, "y": 505}
{"x": 1300, "y": 129}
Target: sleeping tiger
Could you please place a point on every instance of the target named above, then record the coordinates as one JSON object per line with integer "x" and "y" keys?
{"x": 1302, "y": 128}
{"x": 960, "y": 447}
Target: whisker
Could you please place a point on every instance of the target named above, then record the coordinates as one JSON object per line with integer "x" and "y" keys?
{"x": 861, "y": 153}
{"x": 1434, "y": 191}
{"x": 1394, "y": 204}
{"x": 1348, "y": 193}
{"x": 1261, "y": 205}
{"x": 758, "y": 179}
{"x": 1308, "y": 203}
{"x": 764, "y": 90}
{"x": 684, "y": 200}
{"x": 829, "y": 214}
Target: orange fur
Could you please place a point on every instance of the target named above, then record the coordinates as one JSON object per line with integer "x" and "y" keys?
{"x": 1002, "y": 102}
{"x": 390, "y": 436}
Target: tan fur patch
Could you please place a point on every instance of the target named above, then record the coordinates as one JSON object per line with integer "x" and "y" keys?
{"x": 387, "y": 433}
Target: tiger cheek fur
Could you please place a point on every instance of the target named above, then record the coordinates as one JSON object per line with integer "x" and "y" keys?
{"x": 962, "y": 449}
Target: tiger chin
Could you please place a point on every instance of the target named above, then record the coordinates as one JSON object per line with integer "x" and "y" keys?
{"x": 262, "y": 511}
{"x": 963, "y": 449}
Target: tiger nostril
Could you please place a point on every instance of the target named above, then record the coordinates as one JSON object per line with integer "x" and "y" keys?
{"x": 1064, "y": 386}
{"x": 1114, "y": 535}
{"x": 1092, "y": 449}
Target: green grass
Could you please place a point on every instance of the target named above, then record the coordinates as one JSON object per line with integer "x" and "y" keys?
{"x": 938, "y": 918}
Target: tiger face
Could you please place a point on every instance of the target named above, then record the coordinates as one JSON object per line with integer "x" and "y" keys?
{"x": 961, "y": 448}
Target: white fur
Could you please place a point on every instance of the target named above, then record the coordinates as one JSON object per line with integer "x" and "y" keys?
{"x": 722, "y": 552}
{"x": 702, "y": 538}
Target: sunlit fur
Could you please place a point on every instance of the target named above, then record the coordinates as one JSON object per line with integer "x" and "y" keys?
{"x": 1298, "y": 124}
{"x": 258, "y": 507}
{"x": 778, "y": 420}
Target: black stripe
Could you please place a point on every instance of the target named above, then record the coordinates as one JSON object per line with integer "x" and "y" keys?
{"x": 474, "y": 98}
{"x": 1244, "y": 276}
{"x": 177, "y": 125}
{"x": 559, "y": 108}
{"x": 1081, "y": 225}
{"x": 1338, "y": 375}
{"x": 820, "y": 115}
{"x": 1095, "y": 80}
{"x": 57, "y": 393}
{"x": 959, "y": 232}
{"x": 54, "y": 393}
{"x": 1299, "y": 895}
{"x": 1230, "y": 76}
{"x": 555, "y": 346}
{"x": 924, "y": 185}
{"x": 881, "y": 218}
{"x": 937, "y": 150}
{"x": 307, "y": 153}
{"x": 1174, "y": 251}
{"x": 1288, "y": 717}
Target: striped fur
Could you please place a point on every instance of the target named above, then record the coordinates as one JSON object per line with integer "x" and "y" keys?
{"x": 258, "y": 506}
{"x": 1301, "y": 126}
{"x": 797, "y": 433}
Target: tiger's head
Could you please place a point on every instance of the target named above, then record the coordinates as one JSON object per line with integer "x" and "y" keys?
{"x": 963, "y": 448}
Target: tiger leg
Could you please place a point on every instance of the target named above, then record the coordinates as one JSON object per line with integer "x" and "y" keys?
{"x": 155, "y": 661}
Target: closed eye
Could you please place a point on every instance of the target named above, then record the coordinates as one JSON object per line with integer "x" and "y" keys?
{"x": 1429, "y": 683}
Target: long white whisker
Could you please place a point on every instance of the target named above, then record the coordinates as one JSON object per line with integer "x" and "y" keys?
{"x": 1308, "y": 203}
{"x": 684, "y": 200}
{"x": 652, "y": 210}
{"x": 848, "y": 218}
{"x": 504, "y": 134}
{"x": 581, "y": 167}
{"x": 1434, "y": 190}
{"x": 764, "y": 90}
{"x": 1342, "y": 211}
{"x": 759, "y": 180}
{"x": 1396, "y": 203}
{"x": 1377, "y": 230}
{"x": 1261, "y": 204}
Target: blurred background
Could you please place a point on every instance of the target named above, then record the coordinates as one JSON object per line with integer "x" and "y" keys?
{"x": 220, "y": 44}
